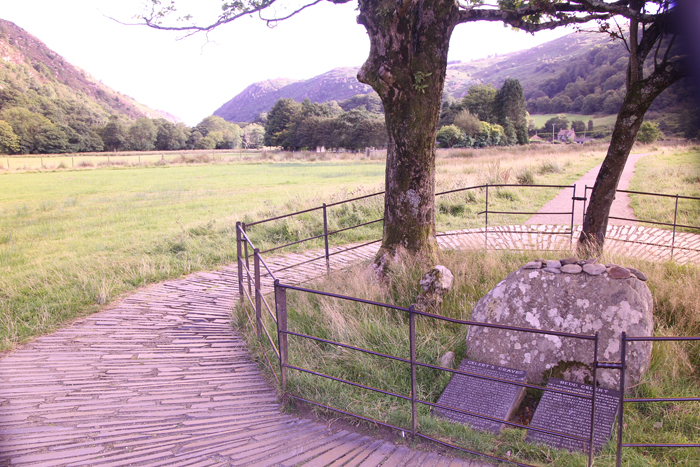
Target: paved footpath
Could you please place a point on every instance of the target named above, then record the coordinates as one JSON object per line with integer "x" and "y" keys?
{"x": 160, "y": 378}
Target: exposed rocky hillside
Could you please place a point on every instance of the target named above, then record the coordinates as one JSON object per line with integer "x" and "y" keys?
{"x": 35, "y": 77}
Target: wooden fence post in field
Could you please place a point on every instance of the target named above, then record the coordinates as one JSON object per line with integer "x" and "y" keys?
{"x": 72, "y": 161}
{"x": 42, "y": 162}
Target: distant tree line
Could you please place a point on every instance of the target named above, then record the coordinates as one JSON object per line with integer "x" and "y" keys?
{"x": 308, "y": 125}
{"x": 485, "y": 117}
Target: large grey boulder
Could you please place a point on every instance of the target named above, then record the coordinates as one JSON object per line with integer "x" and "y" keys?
{"x": 573, "y": 303}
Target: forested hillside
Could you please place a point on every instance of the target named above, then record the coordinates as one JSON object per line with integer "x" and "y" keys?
{"x": 580, "y": 73}
{"x": 49, "y": 105}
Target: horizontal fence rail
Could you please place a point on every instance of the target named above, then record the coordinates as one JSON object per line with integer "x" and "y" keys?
{"x": 254, "y": 297}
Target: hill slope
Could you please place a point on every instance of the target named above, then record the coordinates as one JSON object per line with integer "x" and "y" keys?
{"x": 335, "y": 85}
{"x": 34, "y": 77}
{"x": 532, "y": 67}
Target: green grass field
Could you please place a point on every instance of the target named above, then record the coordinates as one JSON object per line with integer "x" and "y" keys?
{"x": 669, "y": 172}
{"x": 102, "y": 159}
{"x": 598, "y": 120}
{"x": 71, "y": 241}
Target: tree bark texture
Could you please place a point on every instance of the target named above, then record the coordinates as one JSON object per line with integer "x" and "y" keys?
{"x": 406, "y": 66}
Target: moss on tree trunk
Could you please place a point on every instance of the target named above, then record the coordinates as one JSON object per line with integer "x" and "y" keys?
{"x": 407, "y": 66}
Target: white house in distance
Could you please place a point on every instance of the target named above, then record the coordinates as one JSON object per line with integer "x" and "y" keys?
{"x": 566, "y": 135}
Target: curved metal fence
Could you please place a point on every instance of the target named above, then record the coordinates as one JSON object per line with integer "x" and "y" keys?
{"x": 254, "y": 299}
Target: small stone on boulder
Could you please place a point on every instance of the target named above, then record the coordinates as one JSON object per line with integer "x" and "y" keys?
{"x": 570, "y": 260}
{"x": 638, "y": 274}
{"x": 593, "y": 269}
{"x": 533, "y": 265}
{"x": 571, "y": 268}
{"x": 553, "y": 270}
{"x": 553, "y": 263}
{"x": 617, "y": 272}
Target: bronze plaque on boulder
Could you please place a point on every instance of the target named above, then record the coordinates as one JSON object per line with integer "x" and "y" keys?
{"x": 572, "y": 415}
{"x": 494, "y": 399}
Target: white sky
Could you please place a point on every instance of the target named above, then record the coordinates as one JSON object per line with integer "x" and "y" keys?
{"x": 191, "y": 78}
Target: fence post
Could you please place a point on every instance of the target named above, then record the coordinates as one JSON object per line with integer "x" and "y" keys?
{"x": 591, "y": 440}
{"x": 414, "y": 385}
{"x": 258, "y": 292}
{"x": 621, "y": 412}
{"x": 675, "y": 216}
{"x": 239, "y": 253}
{"x": 585, "y": 198}
{"x": 72, "y": 161}
{"x": 42, "y": 162}
{"x": 8, "y": 164}
{"x": 325, "y": 237}
{"x": 486, "y": 228}
{"x": 247, "y": 261}
{"x": 573, "y": 213}
{"x": 281, "y": 306}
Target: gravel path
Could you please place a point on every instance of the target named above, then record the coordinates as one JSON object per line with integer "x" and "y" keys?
{"x": 562, "y": 202}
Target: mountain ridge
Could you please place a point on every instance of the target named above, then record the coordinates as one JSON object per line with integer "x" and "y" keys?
{"x": 530, "y": 66}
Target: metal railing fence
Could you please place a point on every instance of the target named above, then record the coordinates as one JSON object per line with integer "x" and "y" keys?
{"x": 254, "y": 297}
{"x": 674, "y": 225}
{"x": 280, "y": 292}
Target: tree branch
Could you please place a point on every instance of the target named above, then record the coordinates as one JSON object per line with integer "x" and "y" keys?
{"x": 268, "y": 21}
{"x": 236, "y": 10}
{"x": 527, "y": 18}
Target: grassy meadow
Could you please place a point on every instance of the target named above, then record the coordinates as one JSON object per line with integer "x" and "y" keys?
{"x": 598, "y": 120}
{"x": 72, "y": 240}
{"x": 671, "y": 172}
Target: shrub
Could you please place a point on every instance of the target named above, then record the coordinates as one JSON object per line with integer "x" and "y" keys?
{"x": 525, "y": 177}
{"x": 549, "y": 167}
{"x": 648, "y": 133}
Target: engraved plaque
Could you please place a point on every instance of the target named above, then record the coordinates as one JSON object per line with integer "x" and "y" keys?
{"x": 572, "y": 415}
{"x": 481, "y": 396}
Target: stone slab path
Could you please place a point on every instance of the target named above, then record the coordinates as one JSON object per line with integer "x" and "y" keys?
{"x": 160, "y": 378}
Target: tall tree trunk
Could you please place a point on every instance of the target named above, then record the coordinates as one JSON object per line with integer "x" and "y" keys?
{"x": 641, "y": 93}
{"x": 406, "y": 66}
